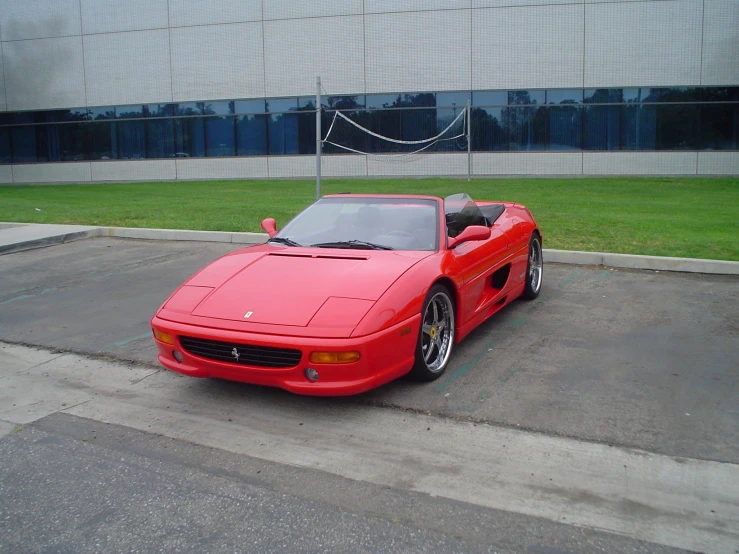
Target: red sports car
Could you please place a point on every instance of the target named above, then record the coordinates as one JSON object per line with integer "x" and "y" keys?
{"x": 354, "y": 292}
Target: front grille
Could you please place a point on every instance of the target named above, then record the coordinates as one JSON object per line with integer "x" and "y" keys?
{"x": 248, "y": 354}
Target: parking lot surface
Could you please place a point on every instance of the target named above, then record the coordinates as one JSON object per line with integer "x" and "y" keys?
{"x": 633, "y": 358}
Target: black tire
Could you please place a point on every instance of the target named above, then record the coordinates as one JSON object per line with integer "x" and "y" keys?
{"x": 534, "y": 268}
{"x": 435, "y": 336}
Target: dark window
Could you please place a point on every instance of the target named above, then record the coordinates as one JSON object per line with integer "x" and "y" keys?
{"x": 630, "y": 95}
{"x": 377, "y": 101}
{"x": 564, "y": 96}
{"x": 189, "y": 108}
{"x": 97, "y": 114}
{"x": 603, "y": 96}
{"x": 488, "y": 130}
{"x": 565, "y": 123}
{"x": 525, "y": 97}
{"x": 24, "y": 144}
{"x": 160, "y": 138}
{"x": 277, "y": 105}
{"x": 129, "y": 112}
{"x": 307, "y": 133}
{"x": 719, "y": 127}
{"x": 189, "y": 137}
{"x": 5, "y": 152}
{"x": 283, "y": 134}
{"x": 452, "y": 99}
{"x": 344, "y": 102}
{"x": 497, "y": 98}
{"x": 251, "y": 135}
{"x": 526, "y": 128}
{"x": 674, "y": 94}
{"x": 220, "y": 138}
{"x": 601, "y": 127}
{"x": 249, "y": 106}
{"x": 103, "y": 140}
{"x": 455, "y": 139}
{"x": 218, "y": 108}
{"x": 159, "y": 110}
{"x": 131, "y": 140}
{"x": 676, "y": 126}
{"x": 346, "y": 134}
{"x": 719, "y": 94}
{"x": 72, "y": 143}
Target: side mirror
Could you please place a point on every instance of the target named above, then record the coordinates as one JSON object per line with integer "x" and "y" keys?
{"x": 270, "y": 226}
{"x": 473, "y": 232}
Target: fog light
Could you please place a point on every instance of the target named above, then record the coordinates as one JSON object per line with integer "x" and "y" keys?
{"x": 161, "y": 336}
{"x": 177, "y": 355}
{"x": 333, "y": 357}
{"x": 311, "y": 374}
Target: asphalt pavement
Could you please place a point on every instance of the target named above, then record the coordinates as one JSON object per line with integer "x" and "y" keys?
{"x": 636, "y": 358}
{"x": 607, "y": 365}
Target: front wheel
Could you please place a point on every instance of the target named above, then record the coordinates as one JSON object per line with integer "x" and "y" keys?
{"x": 436, "y": 336}
{"x": 534, "y": 269}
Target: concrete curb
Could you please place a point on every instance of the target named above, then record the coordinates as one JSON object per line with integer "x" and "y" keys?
{"x": 50, "y": 239}
{"x": 630, "y": 261}
{"x": 637, "y": 261}
{"x": 179, "y": 234}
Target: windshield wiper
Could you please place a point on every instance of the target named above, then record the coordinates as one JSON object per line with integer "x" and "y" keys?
{"x": 357, "y": 244}
{"x": 285, "y": 241}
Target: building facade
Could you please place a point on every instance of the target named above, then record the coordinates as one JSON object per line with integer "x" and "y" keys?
{"x": 107, "y": 90}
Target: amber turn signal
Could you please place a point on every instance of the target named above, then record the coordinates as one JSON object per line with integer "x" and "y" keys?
{"x": 161, "y": 336}
{"x": 333, "y": 357}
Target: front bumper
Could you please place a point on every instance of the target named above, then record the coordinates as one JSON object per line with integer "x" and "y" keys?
{"x": 384, "y": 356}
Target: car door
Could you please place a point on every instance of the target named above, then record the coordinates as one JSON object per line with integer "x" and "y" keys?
{"x": 476, "y": 262}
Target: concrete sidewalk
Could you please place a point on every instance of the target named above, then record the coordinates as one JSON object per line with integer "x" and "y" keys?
{"x": 16, "y": 237}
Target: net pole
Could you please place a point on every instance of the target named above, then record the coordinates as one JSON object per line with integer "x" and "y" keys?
{"x": 469, "y": 141}
{"x": 318, "y": 138}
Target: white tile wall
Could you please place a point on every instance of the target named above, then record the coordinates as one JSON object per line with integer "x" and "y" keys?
{"x": 28, "y": 19}
{"x": 291, "y": 167}
{"x": 343, "y": 166}
{"x": 3, "y": 105}
{"x": 109, "y": 16}
{"x": 451, "y": 164}
{"x": 527, "y": 163}
{"x": 505, "y": 3}
{"x": 217, "y": 61}
{"x": 418, "y": 51}
{"x": 6, "y": 174}
{"x": 527, "y": 47}
{"x": 718, "y": 163}
{"x": 290, "y": 9}
{"x": 643, "y": 43}
{"x": 639, "y": 163}
{"x": 44, "y": 73}
{"x": 52, "y": 173}
{"x": 720, "y": 43}
{"x": 133, "y": 170}
{"x": 208, "y": 12}
{"x": 128, "y": 68}
{"x": 299, "y": 50}
{"x": 222, "y": 168}
{"x": 386, "y": 6}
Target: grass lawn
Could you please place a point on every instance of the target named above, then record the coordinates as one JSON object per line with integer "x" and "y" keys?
{"x": 690, "y": 217}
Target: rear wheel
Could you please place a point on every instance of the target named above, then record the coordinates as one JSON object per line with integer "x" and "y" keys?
{"x": 436, "y": 336}
{"x": 534, "y": 269}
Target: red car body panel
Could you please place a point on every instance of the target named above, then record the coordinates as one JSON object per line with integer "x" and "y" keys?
{"x": 337, "y": 300}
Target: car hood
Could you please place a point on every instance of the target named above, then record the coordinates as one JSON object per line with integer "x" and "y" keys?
{"x": 268, "y": 286}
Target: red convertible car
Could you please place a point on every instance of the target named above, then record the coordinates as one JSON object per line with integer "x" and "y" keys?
{"x": 354, "y": 292}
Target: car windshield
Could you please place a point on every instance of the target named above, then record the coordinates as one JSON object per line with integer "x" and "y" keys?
{"x": 460, "y": 212}
{"x": 366, "y": 223}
